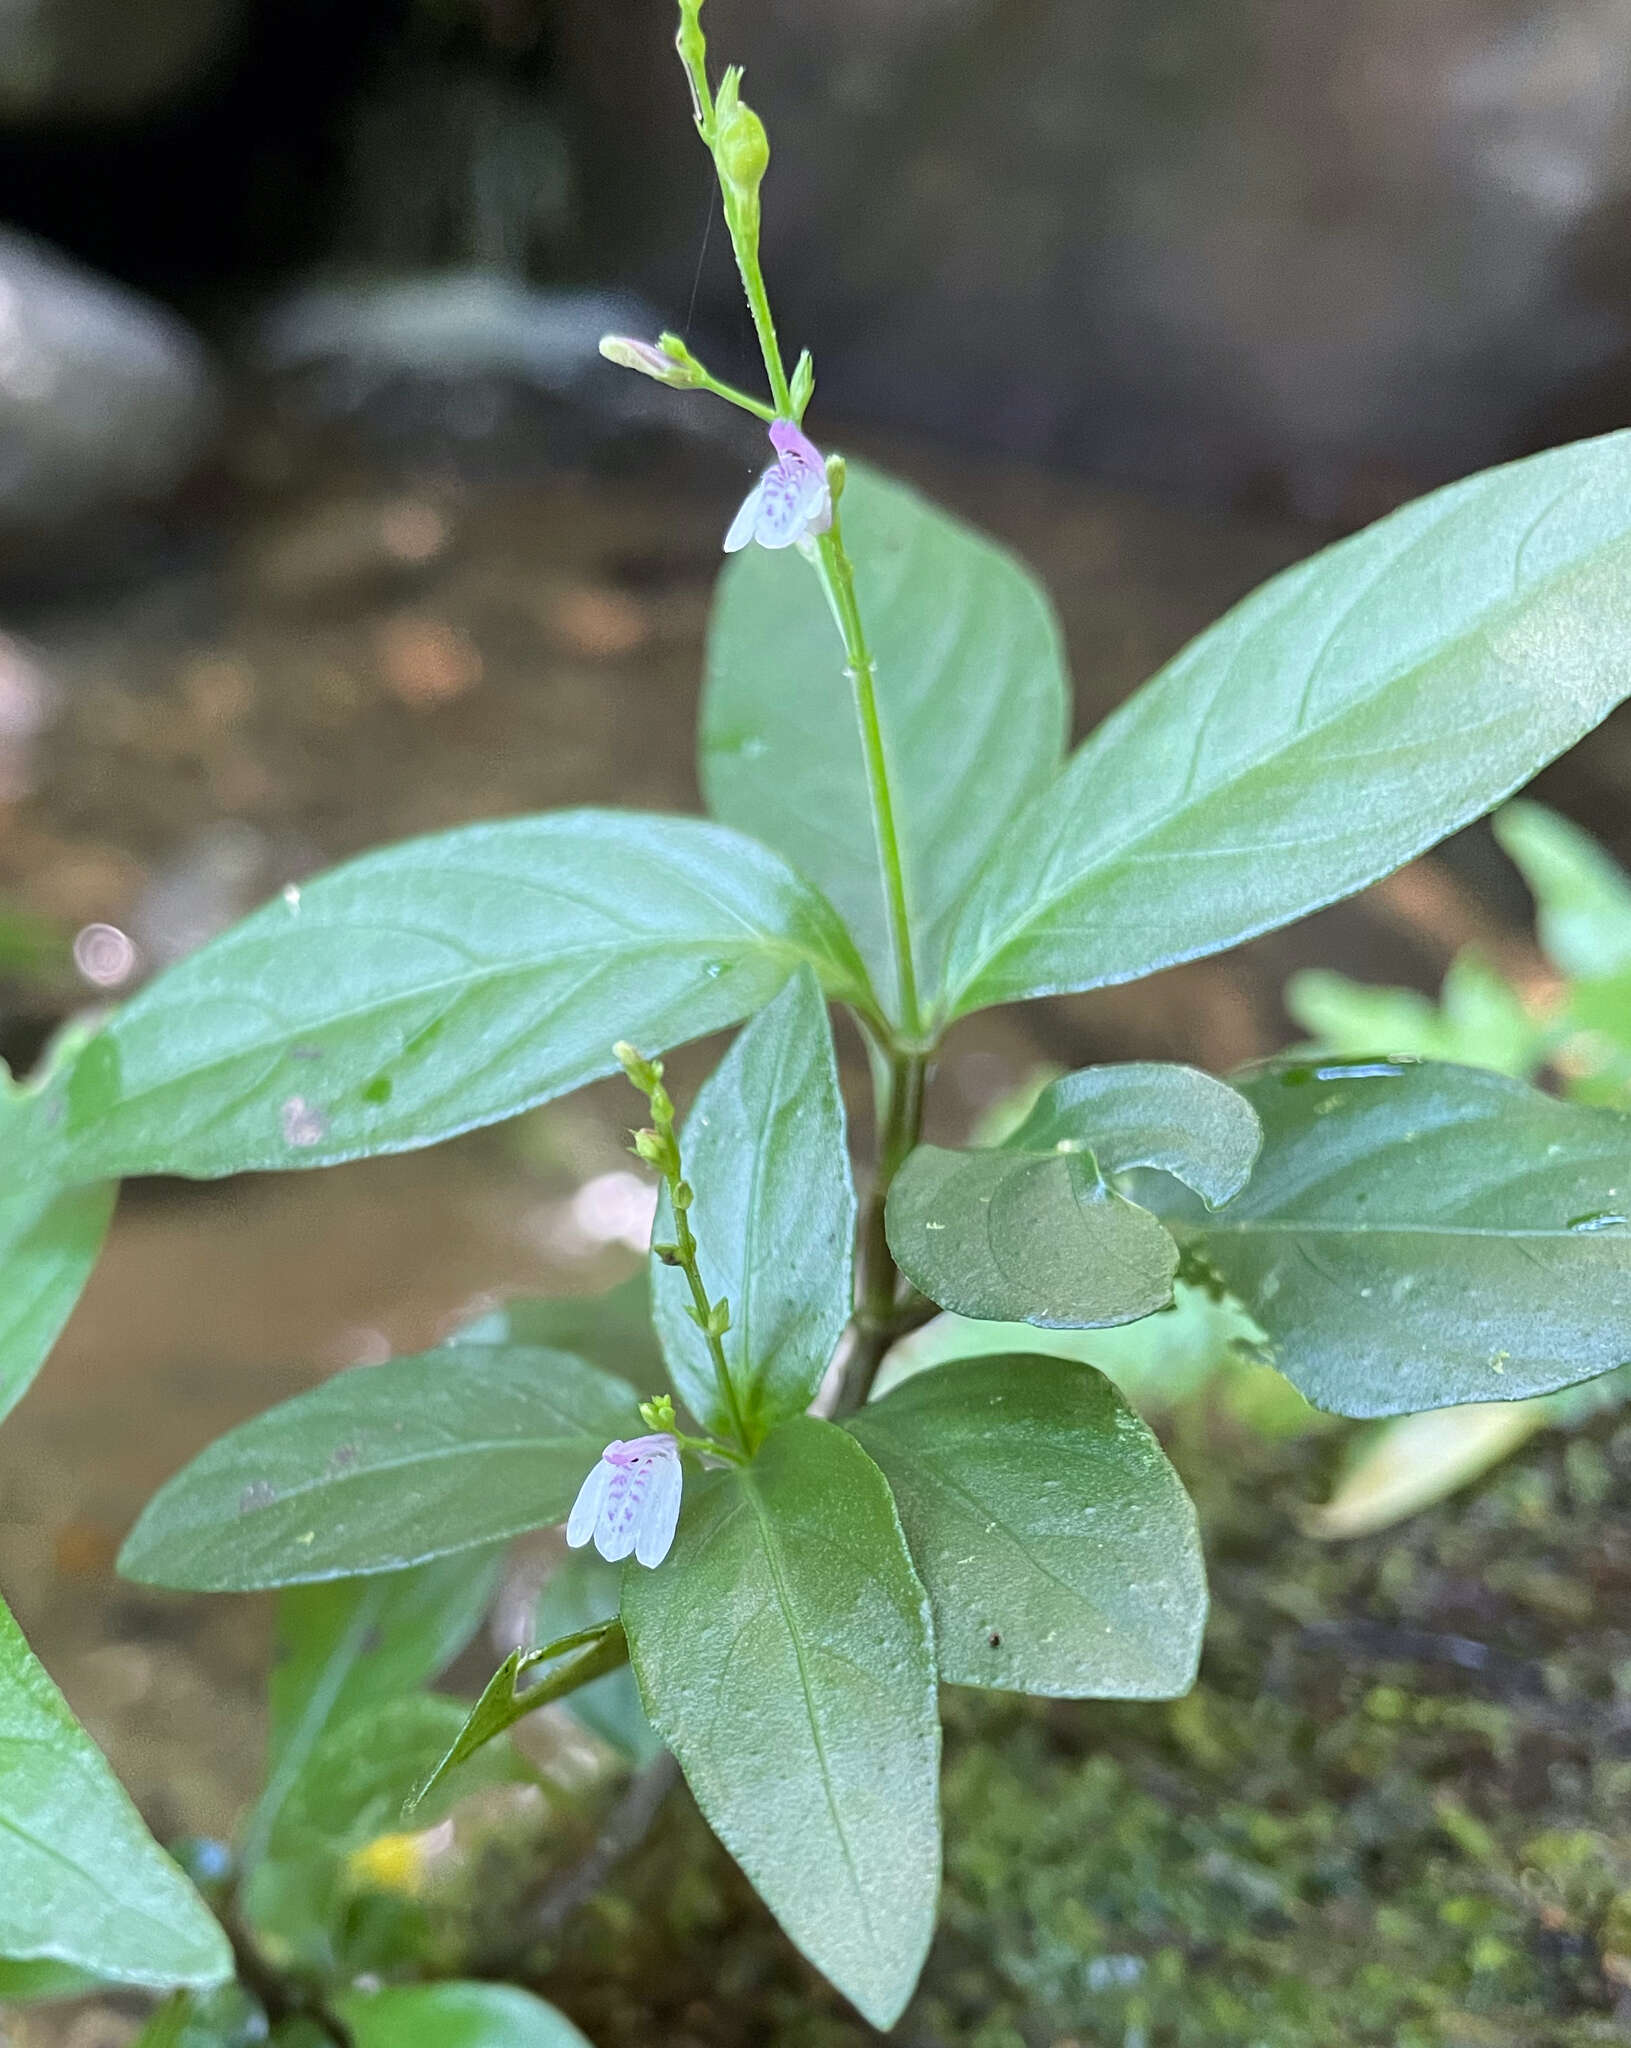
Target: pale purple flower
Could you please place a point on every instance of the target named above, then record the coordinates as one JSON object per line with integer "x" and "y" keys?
{"x": 791, "y": 502}
{"x": 630, "y": 1501}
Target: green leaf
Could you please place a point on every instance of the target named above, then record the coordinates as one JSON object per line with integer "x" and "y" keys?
{"x": 454, "y": 2016}
{"x": 38, "y": 1983}
{"x": 784, "y": 1654}
{"x": 50, "y": 1238}
{"x": 1582, "y": 897}
{"x": 170, "y": 2025}
{"x": 351, "y": 1644}
{"x": 384, "y": 1467}
{"x": 1156, "y": 1362}
{"x": 1059, "y": 1548}
{"x": 1479, "y": 1020}
{"x": 613, "y": 1330}
{"x": 972, "y": 701}
{"x": 764, "y": 1148}
{"x": 1420, "y": 1236}
{"x": 441, "y": 984}
{"x": 82, "y": 1883}
{"x": 363, "y": 1774}
{"x": 1034, "y": 1231}
{"x": 581, "y": 1591}
{"x": 48, "y": 1245}
{"x": 228, "y": 2017}
{"x": 578, "y": 1659}
{"x": 1344, "y": 717}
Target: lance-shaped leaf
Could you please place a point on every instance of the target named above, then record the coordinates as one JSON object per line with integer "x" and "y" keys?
{"x": 972, "y": 702}
{"x": 578, "y": 1659}
{"x": 1058, "y": 1545}
{"x": 454, "y": 2016}
{"x": 441, "y": 984}
{"x": 82, "y": 1883}
{"x": 351, "y": 1644}
{"x": 1344, "y": 717}
{"x": 1034, "y": 1231}
{"x": 784, "y": 1654}
{"x": 764, "y": 1148}
{"x": 383, "y": 1467}
{"x": 1416, "y": 1236}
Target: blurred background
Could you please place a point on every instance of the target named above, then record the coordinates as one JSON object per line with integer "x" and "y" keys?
{"x": 321, "y": 523}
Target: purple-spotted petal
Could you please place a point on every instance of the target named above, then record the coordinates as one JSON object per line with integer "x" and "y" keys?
{"x": 794, "y": 501}
{"x": 662, "y": 1513}
{"x": 630, "y": 1502}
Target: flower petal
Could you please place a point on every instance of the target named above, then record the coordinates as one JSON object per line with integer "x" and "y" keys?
{"x": 586, "y": 1508}
{"x": 794, "y": 498}
{"x": 660, "y": 1513}
{"x": 618, "y": 1525}
{"x": 747, "y": 518}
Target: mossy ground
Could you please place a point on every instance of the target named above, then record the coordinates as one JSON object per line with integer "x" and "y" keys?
{"x": 1396, "y": 1809}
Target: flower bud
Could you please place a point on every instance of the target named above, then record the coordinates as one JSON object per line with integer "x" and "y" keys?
{"x": 644, "y": 1073}
{"x": 803, "y": 385}
{"x": 676, "y": 371}
{"x": 656, "y": 1148}
{"x": 658, "y": 1413}
{"x": 741, "y": 146}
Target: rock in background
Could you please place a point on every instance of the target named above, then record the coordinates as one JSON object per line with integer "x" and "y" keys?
{"x": 106, "y": 400}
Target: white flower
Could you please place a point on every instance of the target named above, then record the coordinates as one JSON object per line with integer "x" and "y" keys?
{"x": 630, "y": 1501}
{"x": 791, "y": 502}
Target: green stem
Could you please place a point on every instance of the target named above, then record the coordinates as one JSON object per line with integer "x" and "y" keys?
{"x": 838, "y": 577}
{"x": 729, "y": 392}
{"x": 685, "y": 1245}
{"x": 746, "y": 245}
{"x": 882, "y": 1315}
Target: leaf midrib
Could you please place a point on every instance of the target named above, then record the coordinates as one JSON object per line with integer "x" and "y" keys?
{"x": 784, "y": 1600}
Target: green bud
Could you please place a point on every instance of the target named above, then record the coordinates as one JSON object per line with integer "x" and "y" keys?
{"x": 741, "y": 146}
{"x": 693, "y": 48}
{"x": 837, "y": 476}
{"x": 644, "y": 1073}
{"x": 679, "y": 373}
{"x": 684, "y": 1196}
{"x": 656, "y": 1148}
{"x": 657, "y": 1413}
{"x": 666, "y": 1254}
{"x": 719, "y": 1318}
{"x": 803, "y": 386}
